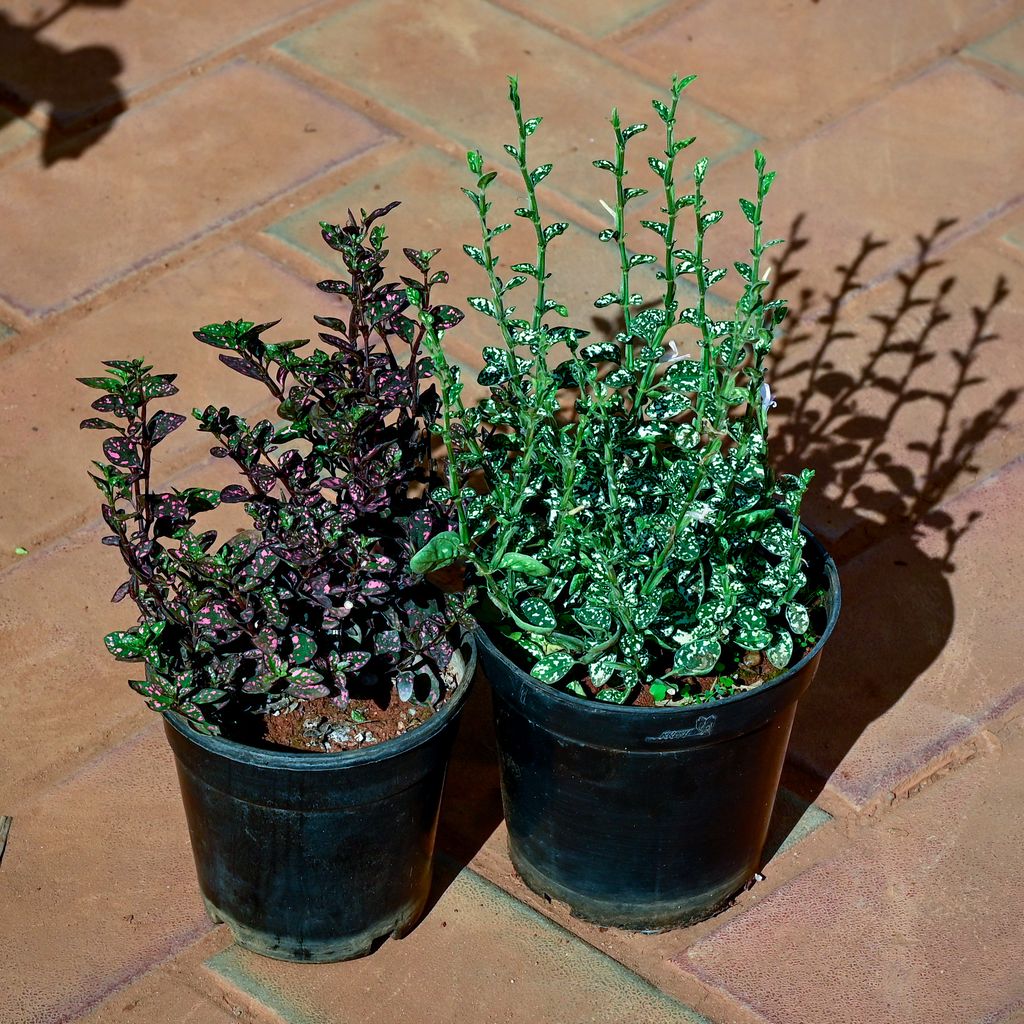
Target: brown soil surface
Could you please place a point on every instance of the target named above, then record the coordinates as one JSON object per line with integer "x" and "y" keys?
{"x": 322, "y": 727}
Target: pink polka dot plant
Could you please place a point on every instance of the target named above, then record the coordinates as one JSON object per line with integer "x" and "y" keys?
{"x": 315, "y": 598}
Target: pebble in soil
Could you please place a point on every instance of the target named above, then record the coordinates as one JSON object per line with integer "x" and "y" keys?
{"x": 320, "y": 726}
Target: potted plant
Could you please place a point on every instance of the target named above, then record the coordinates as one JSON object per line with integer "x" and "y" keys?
{"x": 651, "y": 608}
{"x": 310, "y": 683}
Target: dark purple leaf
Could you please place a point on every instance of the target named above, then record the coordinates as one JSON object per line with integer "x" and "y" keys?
{"x": 332, "y": 340}
{"x": 95, "y": 423}
{"x": 121, "y": 452}
{"x": 163, "y": 423}
{"x": 332, "y": 323}
{"x": 336, "y": 287}
{"x": 243, "y": 366}
{"x": 391, "y": 384}
{"x": 307, "y": 691}
{"x": 111, "y": 403}
{"x": 381, "y": 211}
{"x": 420, "y": 527}
{"x": 386, "y": 304}
{"x": 388, "y": 642}
{"x": 234, "y": 494}
{"x": 420, "y": 258}
{"x": 446, "y": 317}
{"x": 168, "y": 506}
{"x": 122, "y": 592}
{"x": 200, "y": 499}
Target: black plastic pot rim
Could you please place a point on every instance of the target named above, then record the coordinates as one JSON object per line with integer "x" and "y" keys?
{"x": 600, "y": 707}
{"x": 301, "y": 761}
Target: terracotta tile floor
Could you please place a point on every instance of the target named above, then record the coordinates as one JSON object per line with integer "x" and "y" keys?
{"x": 163, "y": 164}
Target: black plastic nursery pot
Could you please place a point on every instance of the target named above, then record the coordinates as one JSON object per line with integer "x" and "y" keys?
{"x": 644, "y": 818}
{"x": 317, "y": 857}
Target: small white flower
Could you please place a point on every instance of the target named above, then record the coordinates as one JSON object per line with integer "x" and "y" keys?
{"x": 672, "y": 354}
{"x": 764, "y": 393}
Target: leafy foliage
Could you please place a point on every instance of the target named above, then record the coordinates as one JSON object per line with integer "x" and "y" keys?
{"x": 316, "y": 599}
{"x": 629, "y": 532}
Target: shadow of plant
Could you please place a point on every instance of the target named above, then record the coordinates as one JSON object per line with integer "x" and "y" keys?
{"x": 77, "y": 86}
{"x": 887, "y": 429}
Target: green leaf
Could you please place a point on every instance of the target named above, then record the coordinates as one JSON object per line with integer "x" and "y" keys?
{"x": 640, "y": 258}
{"x": 780, "y": 652}
{"x": 634, "y": 129}
{"x": 700, "y": 169}
{"x": 558, "y": 228}
{"x": 484, "y": 306}
{"x": 552, "y": 667}
{"x": 303, "y": 648}
{"x": 131, "y": 644}
{"x": 207, "y": 696}
{"x": 602, "y": 352}
{"x": 798, "y": 618}
{"x": 684, "y": 373}
{"x": 696, "y": 656}
{"x": 441, "y": 550}
{"x": 593, "y": 616}
{"x": 647, "y": 323}
{"x": 531, "y": 125}
{"x": 491, "y": 376}
{"x": 711, "y": 218}
{"x": 749, "y": 210}
{"x": 100, "y": 383}
{"x": 620, "y": 378}
{"x": 538, "y": 174}
{"x": 538, "y": 613}
{"x": 604, "y": 165}
{"x": 751, "y": 630}
{"x": 526, "y": 564}
{"x": 659, "y": 691}
{"x": 606, "y": 300}
{"x": 476, "y": 254}
{"x": 656, "y": 226}
{"x": 777, "y": 539}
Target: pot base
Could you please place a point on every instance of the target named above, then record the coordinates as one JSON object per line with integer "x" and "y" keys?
{"x": 646, "y": 918}
{"x": 278, "y": 947}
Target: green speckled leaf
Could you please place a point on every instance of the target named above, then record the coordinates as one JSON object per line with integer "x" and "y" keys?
{"x": 798, "y": 619}
{"x": 751, "y": 630}
{"x": 552, "y": 667}
{"x": 538, "y": 613}
{"x": 697, "y": 656}
{"x": 780, "y": 653}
